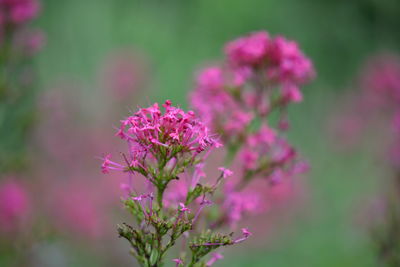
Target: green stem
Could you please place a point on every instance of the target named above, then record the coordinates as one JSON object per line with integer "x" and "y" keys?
{"x": 160, "y": 194}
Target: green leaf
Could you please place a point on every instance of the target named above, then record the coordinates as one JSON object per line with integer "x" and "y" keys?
{"x": 154, "y": 257}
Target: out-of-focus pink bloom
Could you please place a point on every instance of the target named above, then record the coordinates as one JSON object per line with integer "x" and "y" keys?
{"x": 245, "y": 235}
{"x": 225, "y": 172}
{"x": 14, "y": 205}
{"x": 241, "y": 203}
{"x": 265, "y": 136}
{"x": 211, "y": 78}
{"x": 242, "y": 92}
{"x": 19, "y": 11}
{"x": 248, "y": 50}
{"x": 271, "y": 156}
{"x": 282, "y": 58}
{"x": 381, "y": 79}
{"x": 239, "y": 121}
{"x": 214, "y": 258}
{"x": 249, "y": 158}
{"x": 376, "y": 103}
{"x": 291, "y": 93}
{"x": 246, "y": 232}
{"x": 288, "y": 63}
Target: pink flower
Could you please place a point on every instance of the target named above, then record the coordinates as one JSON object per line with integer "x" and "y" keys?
{"x": 246, "y": 232}
{"x": 108, "y": 165}
{"x": 214, "y": 258}
{"x": 211, "y": 78}
{"x": 238, "y": 122}
{"x": 240, "y": 203}
{"x": 291, "y": 93}
{"x": 225, "y": 172}
{"x": 241, "y": 89}
{"x": 381, "y": 78}
{"x": 183, "y": 208}
{"x": 20, "y": 11}
{"x": 249, "y": 158}
{"x": 14, "y": 205}
{"x": 178, "y": 261}
{"x": 288, "y": 63}
{"x": 250, "y": 49}
{"x": 149, "y": 131}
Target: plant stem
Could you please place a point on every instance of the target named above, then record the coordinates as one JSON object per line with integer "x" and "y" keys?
{"x": 160, "y": 193}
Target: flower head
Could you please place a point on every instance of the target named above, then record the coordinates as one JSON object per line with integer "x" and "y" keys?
{"x": 19, "y": 11}
{"x": 178, "y": 262}
{"x": 14, "y": 205}
{"x": 160, "y": 142}
{"x": 225, "y": 172}
{"x": 248, "y": 50}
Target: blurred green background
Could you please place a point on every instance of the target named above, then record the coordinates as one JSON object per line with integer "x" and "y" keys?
{"x": 179, "y": 36}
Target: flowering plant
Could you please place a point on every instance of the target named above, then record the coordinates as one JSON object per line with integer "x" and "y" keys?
{"x": 162, "y": 147}
{"x": 235, "y": 100}
{"x": 260, "y": 76}
{"x": 375, "y": 105}
{"x": 18, "y": 43}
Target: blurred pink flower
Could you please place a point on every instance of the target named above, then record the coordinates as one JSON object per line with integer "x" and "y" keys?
{"x": 248, "y": 50}
{"x": 19, "y": 11}
{"x": 14, "y": 205}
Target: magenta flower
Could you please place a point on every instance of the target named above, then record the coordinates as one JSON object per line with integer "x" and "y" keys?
{"x": 14, "y": 205}
{"x": 178, "y": 262}
{"x": 169, "y": 150}
{"x": 246, "y": 232}
{"x": 238, "y": 204}
{"x": 175, "y": 137}
{"x": 260, "y": 75}
{"x": 225, "y": 172}
{"x": 249, "y": 50}
{"x": 183, "y": 208}
{"x": 19, "y": 11}
{"x": 214, "y": 258}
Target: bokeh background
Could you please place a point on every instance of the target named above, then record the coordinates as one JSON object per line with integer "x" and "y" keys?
{"x": 171, "y": 40}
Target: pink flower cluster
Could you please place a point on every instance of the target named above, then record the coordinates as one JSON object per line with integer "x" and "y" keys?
{"x": 240, "y": 203}
{"x": 14, "y": 18}
{"x": 156, "y": 141}
{"x": 18, "y": 11}
{"x": 260, "y": 75}
{"x": 167, "y": 149}
{"x": 14, "y": 205}
{"x": 279, "y": 60}
{"x": 376, "y": 104}
{"x": 380, "y": 80}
